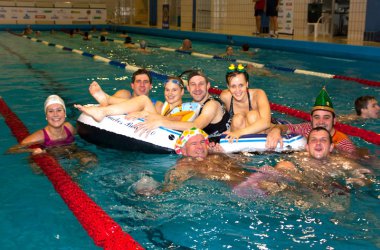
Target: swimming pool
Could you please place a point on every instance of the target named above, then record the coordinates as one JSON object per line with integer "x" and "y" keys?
{"x": 201, "y": 214}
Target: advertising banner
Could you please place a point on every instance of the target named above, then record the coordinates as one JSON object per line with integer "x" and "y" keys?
{"x": 285, "y": 16}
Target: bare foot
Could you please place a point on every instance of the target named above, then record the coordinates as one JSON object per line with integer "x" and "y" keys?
{"x": 99, "y": 95}
{"x": 95, "y": 112}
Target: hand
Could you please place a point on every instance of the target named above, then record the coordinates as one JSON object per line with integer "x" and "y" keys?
{"x": 215, "y": 148}
{"x": 273, "y": 138}
{"x": 37, "y": 151}
{"x": 146, "y": 127}
{"x": 232, "y": 136}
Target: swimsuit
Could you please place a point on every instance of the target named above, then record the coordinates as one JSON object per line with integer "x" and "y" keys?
{"x": 232, "y": 105}
{"x": 49, "y": 143}
{"x": 216, "y": 129}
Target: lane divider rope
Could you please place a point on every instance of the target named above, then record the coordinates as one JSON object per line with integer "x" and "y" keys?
{"x": 268, "y": 66}
{"x": 104, "y": 231}
{"x": 350, "y": 130}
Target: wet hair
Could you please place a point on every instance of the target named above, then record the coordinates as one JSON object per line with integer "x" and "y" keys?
{"x": 362, "y": 103}
{"x": 128, "y": 39}
{"x": 319, "y": 129}
{"x": 193, "y": 73}
{"x": 230, "y": 75}
{"x": 141, "y": 72}
{"x": 245, "y": 47}
{"x": 102, "y": 38}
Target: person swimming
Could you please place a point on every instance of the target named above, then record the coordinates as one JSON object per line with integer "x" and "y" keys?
{"x": 57, "y": 134}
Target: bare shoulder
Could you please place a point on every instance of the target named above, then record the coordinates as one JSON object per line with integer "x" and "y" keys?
{"x": 70, "y": 127}
{"x": 36, "y": 137}
{"x": 123, "y": 93}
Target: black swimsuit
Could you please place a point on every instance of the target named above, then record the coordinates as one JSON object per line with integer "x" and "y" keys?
{"x": 216, "y": 129}
{"x": 232, "y": 105}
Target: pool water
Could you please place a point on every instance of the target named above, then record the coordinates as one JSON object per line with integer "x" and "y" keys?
{"x": 201, "y": 214}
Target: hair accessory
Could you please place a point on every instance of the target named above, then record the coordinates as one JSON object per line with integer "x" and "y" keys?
{"x": 236, "y": 68}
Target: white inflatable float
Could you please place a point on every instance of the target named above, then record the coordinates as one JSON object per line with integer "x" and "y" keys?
{"x": 118, "y": 133}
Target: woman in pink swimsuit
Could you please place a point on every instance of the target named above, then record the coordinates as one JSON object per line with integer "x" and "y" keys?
{"x": 58, "y": 132}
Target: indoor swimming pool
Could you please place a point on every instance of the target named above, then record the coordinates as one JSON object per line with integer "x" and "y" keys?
{"x": 201, "y": 214}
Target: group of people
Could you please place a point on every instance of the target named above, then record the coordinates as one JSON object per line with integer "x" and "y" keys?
{"x": 270, "y": 8}
{"x": 238, "y": 111}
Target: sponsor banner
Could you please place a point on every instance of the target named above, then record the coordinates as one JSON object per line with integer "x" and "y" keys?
{"x": 51, "y": 14}
{"x": 285, "y": 16}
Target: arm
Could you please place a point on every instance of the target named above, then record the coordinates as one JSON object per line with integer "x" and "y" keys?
{"x": 176, "y": 176}
{"x": 33, "y": 139}
{"x": 274, "y": 136}
{"x": 208, "y": 114}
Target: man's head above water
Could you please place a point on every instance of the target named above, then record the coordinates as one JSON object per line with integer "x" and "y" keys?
{"x": 193, "y": 143}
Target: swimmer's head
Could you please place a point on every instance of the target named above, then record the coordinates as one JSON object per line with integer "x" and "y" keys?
{"x": 245, "y": 47}
{"x": 192, "y": 142}
{"x": 319, "y": 143}
{"x": 102, "y": 38}
{"x": 143, "y": 44}
{"x": 234, "y": 70}
{"x": 54, "y": 99}
{"x": 128, "y": 39}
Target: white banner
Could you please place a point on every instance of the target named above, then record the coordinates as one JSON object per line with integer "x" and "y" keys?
{"x": 285, "y": 16}
{"x": 51, "y": 14}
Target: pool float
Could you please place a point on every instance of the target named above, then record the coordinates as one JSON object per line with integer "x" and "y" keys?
{"x": 118, "y": 133}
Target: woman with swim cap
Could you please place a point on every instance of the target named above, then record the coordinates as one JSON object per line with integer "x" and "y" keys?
{"x": 57, "y": 138}
{"x": 58, "y": 132}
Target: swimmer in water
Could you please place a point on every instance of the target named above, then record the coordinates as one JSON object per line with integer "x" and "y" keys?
{"x": 317, "y": 182}
{"x": 57, "y": 137}
{"x": 366, "y": 107}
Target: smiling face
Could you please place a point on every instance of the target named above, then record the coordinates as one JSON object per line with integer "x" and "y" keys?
{"x": 198, "y": 88}
{"x": 196, "y": 146}
{"x": 141, "y": 85}
{"x": 238, "y": 86}
{"x": 319, "y": 144}
{"x": 173, "y": 93}
{"x": 324, "y": 119}
{"x": 372, "y": 110}
{"x": 55, "y": 115}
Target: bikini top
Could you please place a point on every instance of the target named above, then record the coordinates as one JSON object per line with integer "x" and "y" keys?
{"x": 50, "y": 143}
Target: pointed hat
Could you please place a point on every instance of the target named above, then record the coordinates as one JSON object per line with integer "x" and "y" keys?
{"x": 323, "y": 102}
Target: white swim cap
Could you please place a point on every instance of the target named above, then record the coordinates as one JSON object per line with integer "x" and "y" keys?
{"x": 54, "y": 99}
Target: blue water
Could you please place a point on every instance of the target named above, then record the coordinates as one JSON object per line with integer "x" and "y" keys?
{"x": 201, "y": 214}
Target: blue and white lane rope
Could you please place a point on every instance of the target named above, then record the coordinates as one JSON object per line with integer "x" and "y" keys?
{"x": 97, "y": 57}
{"x": 268, "y": 66}
{"x": 362, "y": 134}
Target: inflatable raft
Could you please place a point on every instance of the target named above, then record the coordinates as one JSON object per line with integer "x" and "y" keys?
{"x": 118, "y": 133}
